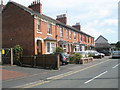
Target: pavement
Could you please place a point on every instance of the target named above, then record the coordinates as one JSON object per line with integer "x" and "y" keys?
{"x": 24, "y": 75}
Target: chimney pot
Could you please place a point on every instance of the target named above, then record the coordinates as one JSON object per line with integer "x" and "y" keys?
{"x": 36, "y": 6}
{"x": 35, "y": 2}
{"x": 62, "y": 18}
{"x": 77, "y": 26}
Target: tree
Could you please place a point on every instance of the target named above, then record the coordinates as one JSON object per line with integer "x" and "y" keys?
{"x": 118, "y": 45}
{"x": 59, "y": 49}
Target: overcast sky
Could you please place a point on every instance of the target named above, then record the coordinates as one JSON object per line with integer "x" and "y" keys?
{"x": 97, "y": 17}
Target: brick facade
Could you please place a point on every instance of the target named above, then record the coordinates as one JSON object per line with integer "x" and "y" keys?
{"x": 17, "y": 28}
{"x": 38, "y": 33}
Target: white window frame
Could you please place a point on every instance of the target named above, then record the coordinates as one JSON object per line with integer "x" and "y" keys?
{"x": 51, "y": 46}
{"x": 61, "y": 32}
{"x": 49, "y": 30}
{"x": 67, "y": 33}
{"x": 77, "y": 47}
{"x": 38, "y": 26}
{"x": 75, "y": 35}
{"x": 70, "y": 34}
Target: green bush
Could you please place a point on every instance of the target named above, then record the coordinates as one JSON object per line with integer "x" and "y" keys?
{"x": 59, "y": 49}
{"x": 90, "y": 55}
{"x": 75, "y": 58}
{"x": 18, "y": 50}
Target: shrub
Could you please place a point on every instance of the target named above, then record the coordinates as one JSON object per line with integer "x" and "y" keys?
{"x": 75, "y": 58}
{"x": 59, "y": 49}
{"x": 90, "y": 55}
{"x": 17, "y": 53}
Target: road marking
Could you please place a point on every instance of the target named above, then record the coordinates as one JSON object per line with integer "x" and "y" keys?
{"x": 37, "y": 84}
{"x": 64, "y": 75}
{"x": 53, "y": 77}
{"x": 29, "y": 84}
{"x": 95, "y": 77}
{"x": 116, "y": 66}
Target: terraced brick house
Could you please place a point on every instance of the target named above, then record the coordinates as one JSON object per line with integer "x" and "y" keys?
{"x": 38, "y": 33}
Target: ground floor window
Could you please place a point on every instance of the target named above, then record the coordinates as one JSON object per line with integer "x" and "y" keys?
{"x": 77, "y": 48}
{"x": 83, "y": 48}
{"x": 50, "y": 47}
{"x": 64, "y": 46}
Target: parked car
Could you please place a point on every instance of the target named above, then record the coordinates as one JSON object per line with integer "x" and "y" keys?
{"x": 102, "y": 54}
{"x": 116, "y": 54}
{"x": 95, "y": 54}
{"x": 106, "y": 52}
{"x": 83, "y": 53}
{"x": 64, "y": 58}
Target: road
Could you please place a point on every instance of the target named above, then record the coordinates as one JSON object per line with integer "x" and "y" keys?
{"x": 103, "y": 74}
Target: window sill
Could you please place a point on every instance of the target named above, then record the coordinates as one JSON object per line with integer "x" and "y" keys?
{"x": 39, "y": 32}
{"x": 50, "y": 34}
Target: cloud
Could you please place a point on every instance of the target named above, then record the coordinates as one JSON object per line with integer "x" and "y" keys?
{"x": 110, "y": 22}
{"x": 110, "y": 31}
{"x": 97, "y": 17}
{"x": 97, "y": 28}
{"x": 91, "y": 31}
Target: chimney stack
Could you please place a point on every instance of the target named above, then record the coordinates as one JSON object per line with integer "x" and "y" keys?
{"x": 36, "y": 6}
{"x": 77, "y": 26}
{"x": 62, "y": 18}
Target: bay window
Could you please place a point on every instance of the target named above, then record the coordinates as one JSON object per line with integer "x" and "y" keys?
{"x": 50, "y": 47}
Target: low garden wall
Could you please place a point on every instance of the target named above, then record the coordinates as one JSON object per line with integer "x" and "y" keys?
{"x": 86, "y": 60}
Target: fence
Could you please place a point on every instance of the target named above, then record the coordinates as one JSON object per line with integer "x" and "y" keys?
{"x": 7, "y": 56}
{"x": 45, "y": 61}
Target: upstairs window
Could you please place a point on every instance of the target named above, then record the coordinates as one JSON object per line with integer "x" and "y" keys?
{"x": 88, "y": 39}
{"x": 49, "y": 31}
{"x": 85, "y": 38}
{"x": 61, "y": 32}
{"x": 75, "y": 35}
{"x": 38, "y": 26}
{"x": 70, "y": 34}
{"x": 67, "y": 33}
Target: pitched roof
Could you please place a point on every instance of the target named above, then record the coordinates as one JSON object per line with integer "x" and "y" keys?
{"x": 32, "y": 12}
{"x": 102, "y": 37}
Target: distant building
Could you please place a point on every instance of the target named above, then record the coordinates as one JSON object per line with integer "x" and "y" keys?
{"x": 101, "y": 44}
{"x": 113, "y": 46}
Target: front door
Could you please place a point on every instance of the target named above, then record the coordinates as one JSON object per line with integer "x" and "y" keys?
{"x": 39, "y": 47}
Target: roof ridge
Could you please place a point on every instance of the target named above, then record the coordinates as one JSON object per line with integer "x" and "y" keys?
{"x": 32, "y": 12}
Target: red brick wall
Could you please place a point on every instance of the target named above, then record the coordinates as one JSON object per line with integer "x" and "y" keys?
{"x": 43, "y": 34}
{"x": 17, "y": 29}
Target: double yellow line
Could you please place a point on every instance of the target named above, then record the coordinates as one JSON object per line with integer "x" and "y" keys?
{"x": 64, "y": 75}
